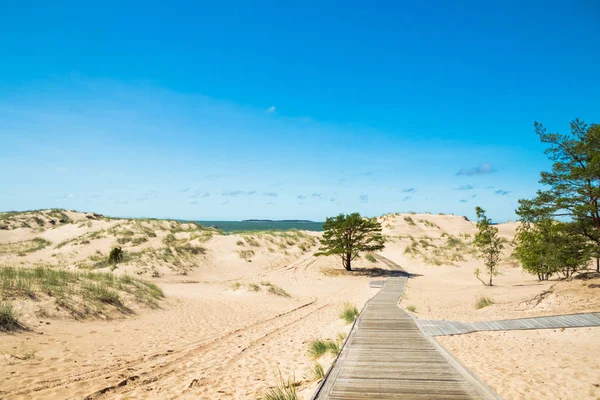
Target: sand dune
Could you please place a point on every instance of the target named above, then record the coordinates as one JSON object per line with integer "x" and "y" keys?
{"x": 227, "y": 326}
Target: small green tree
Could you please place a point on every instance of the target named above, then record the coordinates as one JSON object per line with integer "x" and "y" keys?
{"x": 115, "y": 256}
{"x": 572, "y": 186}
{"x": 548, "y": 247}
{"x": 488, "y": 243}
{"x": 348, "y": 235}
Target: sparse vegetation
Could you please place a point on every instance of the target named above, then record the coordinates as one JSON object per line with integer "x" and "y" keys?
{"x": 246, "y": 254}
{"x": 371, "y": 258}
{"x": 283, "y": 390}
{"x": 429, "y": 224}
{"x": 317, "y": 373}
{"x": 24, "y": 247}
{"x": 409, "y": 220}
{"x": 349, "y": 313}
{"x": 412, "y": 309}
{"x": 276, "y": 290}
{"x": 81, "y": 294}
{"x": 8, "y": 318}
{"x": 318, "y": 347}
{"x": 483, "y": 302}
{"x": 253, "y": 287}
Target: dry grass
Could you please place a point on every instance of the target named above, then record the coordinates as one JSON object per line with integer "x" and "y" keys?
{"x": 24, "y": 247}
{"x": 81, "y": 294}
{"x": 253, "y": 287}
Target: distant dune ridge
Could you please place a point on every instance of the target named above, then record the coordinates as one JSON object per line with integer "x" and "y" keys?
{"x": 191, "y": 309}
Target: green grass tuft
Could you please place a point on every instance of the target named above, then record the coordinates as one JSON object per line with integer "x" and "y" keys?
{"x": 283, "y": 390}
{"x": 412, "y": 309}
{"x": 8, "y": 318}
{"x": 317, "y": 348}
{"x": 317, "y": 373}
{"x": 349, "y": 313}
{"x": 483, "y": 302}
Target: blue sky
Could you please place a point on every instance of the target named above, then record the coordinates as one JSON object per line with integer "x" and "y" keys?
{"x": 269, "y": 110}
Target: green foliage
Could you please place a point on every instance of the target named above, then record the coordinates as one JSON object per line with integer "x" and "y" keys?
{"x": 488, "y": 243}
{"x": 483, "y": 302}
{"x": 348, "y": 235}
{"x": 412, "y": 309}
{"x": 116, "y": 256}
{"x": 572, "y": 186}
{"x": 409, "y": 220}
{"x": 318, "y": 347}
{"x": 548, "y": 247}
{"x": 349, "y": 312}
{"x": 317, "y": 373}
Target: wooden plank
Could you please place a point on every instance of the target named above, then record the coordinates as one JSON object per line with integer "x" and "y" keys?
{"x": 386, "y": 356}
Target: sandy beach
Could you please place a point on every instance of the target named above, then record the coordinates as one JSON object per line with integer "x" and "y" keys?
{"x": 243, "y": 310}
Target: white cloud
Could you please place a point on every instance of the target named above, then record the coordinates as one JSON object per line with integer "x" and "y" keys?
{"x": 69, "y": 195}
{"x": 271, "y": 109}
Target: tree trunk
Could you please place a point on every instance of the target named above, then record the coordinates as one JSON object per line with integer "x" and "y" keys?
{"x": 348, "y": 262}
{"x": 491, "y": 279}
{"x": 597, "y": 264}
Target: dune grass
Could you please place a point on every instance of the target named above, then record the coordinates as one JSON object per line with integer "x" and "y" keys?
{"x": 349, "y": 312}
{"x": 318, "y": 347}
{"x": 83, "y": 294}
{"x": 412, "y": 309}
{"x": 246, "y": 254}
{"x": 8, "y": 318}
{"x": 371, "y": 258}
{"x": 24, "y": 247}
{"x": 483, "y": 302}
{"x": 410, "y": 221}
{"x": 284, "y": 389}
{"x": 316, "y": 372}
{"x": 276, "y": 290}
{"x": 253, "y": 287}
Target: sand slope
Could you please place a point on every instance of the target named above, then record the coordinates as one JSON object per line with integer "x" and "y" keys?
{"x": 215, "y": 337}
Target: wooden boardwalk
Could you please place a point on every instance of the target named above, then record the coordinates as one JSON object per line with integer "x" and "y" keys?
{"x": 386, "y": 356}
{"x": 441, "y": 328}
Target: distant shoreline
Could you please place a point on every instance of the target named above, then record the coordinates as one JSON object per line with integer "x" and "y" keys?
{"x": 295, "y": 221}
